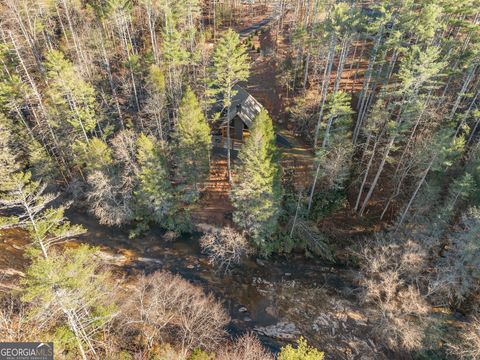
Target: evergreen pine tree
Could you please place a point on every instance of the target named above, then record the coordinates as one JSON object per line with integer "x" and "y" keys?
{"x": 257, "y": 190}
{"x": 73, "y": 284}
{"x": 72, "y": 99}
{"x": 46, "y": 225}
{"x": 193, "y": 143}
{"x": 41, "y": 163}
{"x": 230, "y": 66}
{"x": 28, "y": 200}
{"x": 154, "y": 194}
{"x": 93, "y": 156}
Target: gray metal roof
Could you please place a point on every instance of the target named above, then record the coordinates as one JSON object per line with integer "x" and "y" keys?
{"x": 245, "y": 106}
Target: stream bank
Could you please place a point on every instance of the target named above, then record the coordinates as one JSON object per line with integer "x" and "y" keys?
{"x": 277, "y": 298}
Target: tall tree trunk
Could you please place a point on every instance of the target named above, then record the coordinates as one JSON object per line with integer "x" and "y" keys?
{"x": 26, "y": 34}
{"x": 153, "y": 35}
{"x": 110, "y": 81}
{"x": 366, "y": 84}
{"x": 296, "y": 214}
{"x": 34, "y": 88}
{"x": 377, "y": 175}
{"x": 229, "y": 140}
{"x": 367, "y": 172}
{"x": 78, "y": 47}
{"x": 467, "y": 113}
{"x": 357, "y": 66}
{"x": 314, "y": 185}
{"x": 341, "y": 63}
{"x": 305, "y": 75}
{"x": 463, "y": 90}
{"x": 412, "y": 198}
{"x": 324, "y": 90}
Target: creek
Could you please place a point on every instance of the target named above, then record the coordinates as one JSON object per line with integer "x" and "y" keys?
{"x": 258, "y": 294}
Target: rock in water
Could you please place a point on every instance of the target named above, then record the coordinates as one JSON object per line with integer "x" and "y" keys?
{"x": 281, "y": 330}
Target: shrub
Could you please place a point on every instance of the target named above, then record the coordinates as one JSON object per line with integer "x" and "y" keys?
{"x": 302, "y": 352}
{"x": 469, "y": 345}
{"x": 199, "y": 354}
{"x": 15, "y": 324}
{"x": 327, "y": 202}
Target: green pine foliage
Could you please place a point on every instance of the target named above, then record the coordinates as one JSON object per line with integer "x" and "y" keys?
{"x": 420, "y": 70}
{"x": 75, "y": 269}
{"x": 193, "y": 145}
{"x": 155, "y": 200}
{"x": 302, "y": 352}
{"x": 199, "y": 354}
{"x": 73, "y": 283}
{"x": 41, "y": 163}
{"x": 46, "y": 225}
{"x": 8, "y": 168}
{"x": 156, "y": 79}
{"x": 257, "y": 191}
{"x": 174, "y": 51}
{"x": 95, "y": 155}
{"x": 339, "y": 114}
{"x": 8, "y": 163}
{"x": 27, "y": 199}
{"x": 71, "y": 98}
{"x": 230, "y": 66}
{"x": 12, "y": 88}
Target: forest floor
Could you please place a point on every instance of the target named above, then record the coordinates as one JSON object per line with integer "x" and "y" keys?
{"x": 298, "y": 159}
{"x": 215, "y": 207}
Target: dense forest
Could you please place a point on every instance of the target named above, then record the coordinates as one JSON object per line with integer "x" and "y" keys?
{"x": 241, "y": 180}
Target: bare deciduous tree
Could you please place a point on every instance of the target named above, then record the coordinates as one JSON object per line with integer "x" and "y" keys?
{"x": 166, "y": 308}
{"x": 15, "y": 324}
{"x": 457, "y": 273}
{"x": 225, "y": 247}
{"x": 469, "y": 345}
{"x": 390, "y": 278}
{"x": 107, "y": 200}
{"x": 247, "y": 347}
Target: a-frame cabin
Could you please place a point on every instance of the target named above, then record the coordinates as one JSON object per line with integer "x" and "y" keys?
{"x": 241, "y": 116}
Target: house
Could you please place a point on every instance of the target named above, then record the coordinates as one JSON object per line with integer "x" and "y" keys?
{"x": 241, "y": 117}
{"x": 242, "y": 114}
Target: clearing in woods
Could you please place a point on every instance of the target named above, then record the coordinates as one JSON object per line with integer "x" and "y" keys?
{"x": 215, "y": 207}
